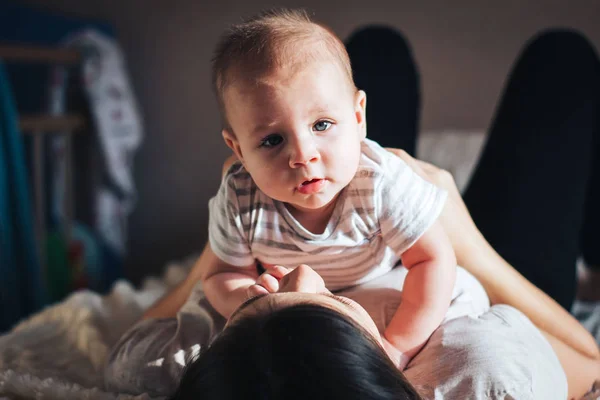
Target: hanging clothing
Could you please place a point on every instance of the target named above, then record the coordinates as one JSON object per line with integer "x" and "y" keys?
{"x": 21, "y": 281}
{"x": 118, "y": 124}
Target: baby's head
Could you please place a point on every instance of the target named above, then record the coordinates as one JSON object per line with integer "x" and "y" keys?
{"x": 290, "y": 109}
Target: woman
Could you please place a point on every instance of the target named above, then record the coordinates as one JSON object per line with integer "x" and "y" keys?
{"x": 526, "y": 197}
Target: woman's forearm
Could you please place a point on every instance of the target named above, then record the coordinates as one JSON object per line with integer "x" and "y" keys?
{"x": 505, "y": 285}
{"x": 581, "y": 371}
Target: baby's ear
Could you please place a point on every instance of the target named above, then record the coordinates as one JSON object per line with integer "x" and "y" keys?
{"x": 360, "y": 111}
{"x": 232, "y": 142}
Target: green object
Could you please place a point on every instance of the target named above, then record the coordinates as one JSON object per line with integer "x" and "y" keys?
{"x": 58, "y": 272}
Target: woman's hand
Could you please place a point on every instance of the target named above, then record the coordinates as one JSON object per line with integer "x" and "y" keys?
{"x": 455, "y": 217}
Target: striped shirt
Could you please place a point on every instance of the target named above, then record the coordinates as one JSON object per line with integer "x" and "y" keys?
{"x": 379, "y": 215}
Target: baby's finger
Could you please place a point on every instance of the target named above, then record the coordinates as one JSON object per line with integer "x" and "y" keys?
{"x": 256, "y": 290}
{"x": 278, "y": 271}
{"x": 269, "y": 282}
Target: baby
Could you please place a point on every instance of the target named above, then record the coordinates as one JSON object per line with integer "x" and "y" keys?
{"x": 310, "y": 188}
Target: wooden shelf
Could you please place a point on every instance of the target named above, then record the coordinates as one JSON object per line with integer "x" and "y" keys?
{"x": 49, "y": 55}
{"x": 44, "y": 123}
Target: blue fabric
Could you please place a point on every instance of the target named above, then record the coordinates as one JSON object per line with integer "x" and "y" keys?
{"x": 20, "y": 272}
{"x": 10, "y": 307}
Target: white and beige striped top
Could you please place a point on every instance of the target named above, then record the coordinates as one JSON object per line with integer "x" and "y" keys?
{"x": 378, "y": 216}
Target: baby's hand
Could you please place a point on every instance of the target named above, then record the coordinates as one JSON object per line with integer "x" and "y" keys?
{"x": 268, "y": 281}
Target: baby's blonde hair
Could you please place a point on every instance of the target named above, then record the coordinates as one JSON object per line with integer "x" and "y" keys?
{"x": 269, "y": 41}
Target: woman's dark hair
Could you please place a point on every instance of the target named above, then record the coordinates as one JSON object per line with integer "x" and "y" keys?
{"x": 306, "y": 352}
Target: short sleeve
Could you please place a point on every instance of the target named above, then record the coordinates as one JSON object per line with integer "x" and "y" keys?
{"x": 407, "y": 205}
{"x": 226, "y": 234}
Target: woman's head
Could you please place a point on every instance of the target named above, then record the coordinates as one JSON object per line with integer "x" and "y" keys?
{"x": 304, "y": 350}
{"x": 301, "y": 285}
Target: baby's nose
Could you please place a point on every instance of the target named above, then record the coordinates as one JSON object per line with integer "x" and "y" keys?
{"x": 304, "y": 153}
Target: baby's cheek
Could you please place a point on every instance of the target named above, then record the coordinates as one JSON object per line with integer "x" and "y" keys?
{"x": 268, "y": 184}
{"x": 271, "y": 181}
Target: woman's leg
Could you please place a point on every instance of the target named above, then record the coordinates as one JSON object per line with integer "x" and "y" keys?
{"x": 528, "y": 191}
{"x": 384, "y": 68}
{"x": 589, "y": 277}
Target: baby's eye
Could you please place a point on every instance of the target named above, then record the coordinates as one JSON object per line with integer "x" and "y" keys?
{"x": 322, "y": 126}
{"x": 271, "y": 141}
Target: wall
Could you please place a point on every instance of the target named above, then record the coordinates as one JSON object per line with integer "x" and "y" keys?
{"x": 464, "y": 50}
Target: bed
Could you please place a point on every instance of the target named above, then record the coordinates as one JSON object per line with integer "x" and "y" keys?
{"x": 60, "y": 352}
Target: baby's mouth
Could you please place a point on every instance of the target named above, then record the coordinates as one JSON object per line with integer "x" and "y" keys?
{"x": 309, "y": 182}
{"x": 311, "y": 186}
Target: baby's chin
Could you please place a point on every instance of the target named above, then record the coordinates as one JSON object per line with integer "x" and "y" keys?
{"x": 313, "y": 203}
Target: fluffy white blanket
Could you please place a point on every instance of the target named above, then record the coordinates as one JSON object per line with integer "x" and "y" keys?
{"x": 60, "y": 352}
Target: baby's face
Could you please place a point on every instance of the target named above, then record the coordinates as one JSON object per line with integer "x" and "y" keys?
{"x": 298, "y": 133}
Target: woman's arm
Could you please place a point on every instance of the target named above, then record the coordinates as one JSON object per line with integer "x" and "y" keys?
{"x": 502, "y": 282}
{"x": 575, "y": 347}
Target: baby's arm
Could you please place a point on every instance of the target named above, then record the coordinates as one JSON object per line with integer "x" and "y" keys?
{"x": 426, "y": 294}
{"x": 226, "y": 286}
